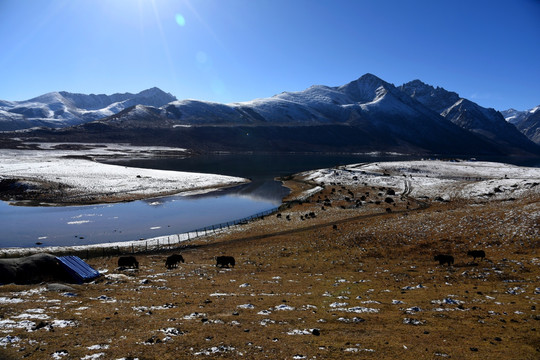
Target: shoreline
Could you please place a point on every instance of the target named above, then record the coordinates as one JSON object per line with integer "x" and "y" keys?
{"x": 50, "y": 200}
{"x": 74, "y": 177}
{"x": 434, "y": 181}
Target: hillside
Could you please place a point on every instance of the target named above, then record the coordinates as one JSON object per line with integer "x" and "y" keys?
{"x": 346, "y": 282}
{"x": 488, "y": 123}
{"x": 528, "y": 122}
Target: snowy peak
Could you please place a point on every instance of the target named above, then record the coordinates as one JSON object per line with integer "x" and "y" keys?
{"x": 468, "y": 115}
{"x": 366, "y": 89}
{"x": 363, "y": 113}
{"x": 528, "y": 122}
{"x": 438, "y": 99}
{"x": 511, "y": 115}
{"x": 150, "y": 97}
{"x": 59, "y": 109}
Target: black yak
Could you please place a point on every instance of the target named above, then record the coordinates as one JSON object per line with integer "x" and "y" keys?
{"x": 442, "y": 259}
{"x": 223, "y": 261}
{"x": 477, "y": 254}
{"x": 173, "y": 260}
{"x": 128, "y": 262}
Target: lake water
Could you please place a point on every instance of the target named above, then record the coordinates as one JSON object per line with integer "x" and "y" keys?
{"x": 81, "y": 225}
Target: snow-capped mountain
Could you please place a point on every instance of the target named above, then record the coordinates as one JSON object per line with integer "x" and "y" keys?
{"x": 367, "y": 114}
{"x": 528, "y": 122}
{"x": 60, "y": 109}
{"x": 468, "y": 115}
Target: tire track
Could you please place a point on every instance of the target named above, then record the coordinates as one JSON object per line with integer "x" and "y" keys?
{"x": 422, "y": 205}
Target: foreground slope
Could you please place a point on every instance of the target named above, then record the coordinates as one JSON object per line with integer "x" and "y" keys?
{"x": 303, "y": 288}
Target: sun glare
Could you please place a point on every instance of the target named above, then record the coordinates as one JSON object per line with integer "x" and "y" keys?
{"x": 180, "y": 20}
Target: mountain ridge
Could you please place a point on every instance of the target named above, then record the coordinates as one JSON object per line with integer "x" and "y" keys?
{"x": 528, "y": 122}
{"x": 62, "y": 108}
{"x": 468, "y": 115}
{"x": 366, "y": 114}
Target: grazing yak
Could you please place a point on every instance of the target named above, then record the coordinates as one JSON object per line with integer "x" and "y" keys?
{"x": 477, "y": 254}
{"x": 223, "y": 261}
{"x": 173, "y": 260}
{"x": 442, "y": 259}
{"x": 128, "y": 262}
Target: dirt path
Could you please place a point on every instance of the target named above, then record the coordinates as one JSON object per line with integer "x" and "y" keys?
{"x": 421, "y": 205}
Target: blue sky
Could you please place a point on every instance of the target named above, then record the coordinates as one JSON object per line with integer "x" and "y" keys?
{"x": 238, "y": 50}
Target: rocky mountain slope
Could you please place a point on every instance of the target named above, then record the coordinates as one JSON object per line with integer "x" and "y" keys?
{"x": 367, "y": 114}
{"x": 528, "y": 122}
{"x": 60, "y": 109}
{"x": 488, "y": 123}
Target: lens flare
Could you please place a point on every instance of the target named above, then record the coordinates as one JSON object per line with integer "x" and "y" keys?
{"x": 180, "y": 20}
{"x": 201, "y": 57}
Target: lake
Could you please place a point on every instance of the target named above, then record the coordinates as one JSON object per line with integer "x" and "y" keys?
{"x": 92, "y": 224}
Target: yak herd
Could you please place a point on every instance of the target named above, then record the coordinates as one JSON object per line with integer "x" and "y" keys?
{"x": 173, "y": 261}
{"x": 449, "y": 259}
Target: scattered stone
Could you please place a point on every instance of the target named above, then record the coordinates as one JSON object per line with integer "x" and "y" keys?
{"x": 60, "y": 288}
{"x": 409, "y": 321}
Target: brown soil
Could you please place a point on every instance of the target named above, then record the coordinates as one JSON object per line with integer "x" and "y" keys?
{"x": 304, "y": 288}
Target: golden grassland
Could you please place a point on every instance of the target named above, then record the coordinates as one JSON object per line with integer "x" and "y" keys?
{"x": 303, "y": 288}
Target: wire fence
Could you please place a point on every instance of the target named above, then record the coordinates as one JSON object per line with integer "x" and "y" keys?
{"x": 161, "y": 243}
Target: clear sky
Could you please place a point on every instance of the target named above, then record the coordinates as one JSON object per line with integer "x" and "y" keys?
{"x": 239, "y": 50}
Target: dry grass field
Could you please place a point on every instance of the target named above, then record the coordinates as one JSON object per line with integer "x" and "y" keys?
{"x": 302, "y": 288}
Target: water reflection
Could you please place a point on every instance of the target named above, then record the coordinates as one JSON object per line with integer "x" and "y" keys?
{"x": 79, "y": 225}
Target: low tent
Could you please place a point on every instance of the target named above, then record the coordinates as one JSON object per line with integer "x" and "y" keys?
{"x": 45, "y": 268}
{"x": 78, "y": 269}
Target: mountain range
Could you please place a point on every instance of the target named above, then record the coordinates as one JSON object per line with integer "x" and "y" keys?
{"x": 61, "y": 109}
{"x": 367, "y": 114}
{"x": 528, "y": 122}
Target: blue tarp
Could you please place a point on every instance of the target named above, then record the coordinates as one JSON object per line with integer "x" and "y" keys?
{"x": 78, "y": 269}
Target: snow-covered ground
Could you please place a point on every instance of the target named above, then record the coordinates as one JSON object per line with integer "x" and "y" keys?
{"x": 433, "y": 179}
{"x": 96, "y": 151}
{"x": 84, "y": 177}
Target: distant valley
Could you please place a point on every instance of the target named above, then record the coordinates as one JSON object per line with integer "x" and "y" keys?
{"x": 365, "y": 115}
